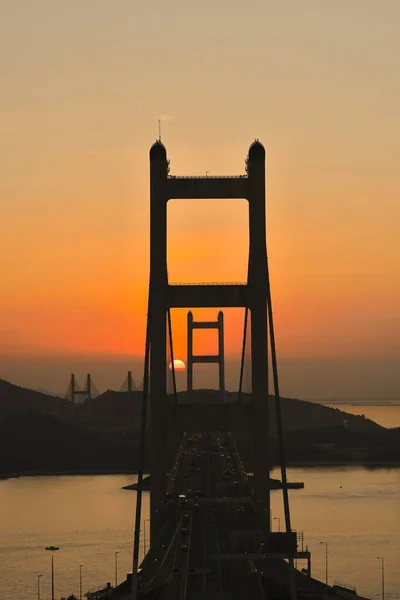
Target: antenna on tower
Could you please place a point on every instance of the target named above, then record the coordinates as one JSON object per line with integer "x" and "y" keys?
{"x": 159, "y": 130}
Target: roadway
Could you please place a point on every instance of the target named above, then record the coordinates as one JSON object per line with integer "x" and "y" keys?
{"x": 205, "y": 504}
{"x": 211, "y": 545}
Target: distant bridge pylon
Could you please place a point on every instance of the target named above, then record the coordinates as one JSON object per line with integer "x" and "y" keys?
{"x": 86, "y": 392}
{"x": 129, "y": 385}
{"x": 90, "y": 390}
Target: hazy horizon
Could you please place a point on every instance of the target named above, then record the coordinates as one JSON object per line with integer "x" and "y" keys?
{"x": 306, "y": 378}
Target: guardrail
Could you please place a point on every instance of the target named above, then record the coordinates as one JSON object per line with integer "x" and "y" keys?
{"x": 345, "y": 586}
{"x": 206, "y": 283}
{"x": 207, "y": 176}
{"x": 99, "y": 590}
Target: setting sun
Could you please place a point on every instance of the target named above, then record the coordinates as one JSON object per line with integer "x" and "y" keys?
{"x": 179, "y": 365}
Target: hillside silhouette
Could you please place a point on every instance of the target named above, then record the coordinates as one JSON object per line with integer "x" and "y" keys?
{"x": 40, "y": 433}
{"x": 14, "y": 398}
{"x": 114, "y": 407}
{"x": 32, "y": 442}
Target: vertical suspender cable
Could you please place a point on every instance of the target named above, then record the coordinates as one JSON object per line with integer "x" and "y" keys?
{"x": 142, "y": 456}
{"x": 278, "y": 408}
{"x": 171, "y": 351}
{"x": 246, "y": 315}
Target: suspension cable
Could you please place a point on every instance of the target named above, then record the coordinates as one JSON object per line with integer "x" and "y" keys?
{"x": 246, "y": 315}
{"x": 278, "y": 408}
{"x": 142, "y": 455}
{"x": 171, "y": 351}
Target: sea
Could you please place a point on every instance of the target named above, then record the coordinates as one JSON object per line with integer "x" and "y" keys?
{"x": 353, "y": 511}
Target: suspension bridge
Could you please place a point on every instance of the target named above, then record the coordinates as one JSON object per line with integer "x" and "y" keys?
{"x": 211, "y": 535}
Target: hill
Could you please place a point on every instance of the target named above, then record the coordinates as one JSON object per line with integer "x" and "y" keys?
{"x": 37, "y": 443}
{"x": 38, "y": 433}
{"x": 337, "y": 444}
{"x": 14, "y": 398}
{"x": 113, "y": 407}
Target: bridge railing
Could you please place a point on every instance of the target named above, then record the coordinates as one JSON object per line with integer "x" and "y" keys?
{"x": 300, "y": 539}
{"x": 99, "y": 591}
{"x": 345, "y": 586}
{"x": 205, "y": 283}
{"x": 207, "y": 176}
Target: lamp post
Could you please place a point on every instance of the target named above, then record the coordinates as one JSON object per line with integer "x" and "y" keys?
{"x": 80, "y": 582}
{"x": 279, "y": 522}
{"x": 38, "y": 586}
{"x": 383, "y": 575}
{"x": 144, "y": 530}
{"x": 326, "y": 561}
{"x": 52, "y": 549}
{"x": 116, "y": 568}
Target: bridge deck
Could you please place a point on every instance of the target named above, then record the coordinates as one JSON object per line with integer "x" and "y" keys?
{"x": 212, "y": 545}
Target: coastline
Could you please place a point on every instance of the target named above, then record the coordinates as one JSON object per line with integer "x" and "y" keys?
{"x": 66, "y": 473}
{"x": 297, "y": 465}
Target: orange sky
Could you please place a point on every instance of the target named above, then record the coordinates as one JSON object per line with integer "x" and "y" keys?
{"x": 83, "y": 86}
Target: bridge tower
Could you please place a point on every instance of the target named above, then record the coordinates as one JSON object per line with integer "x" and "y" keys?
{"x": 164, "y": 296}
{"x": 219, "y": 358}
{"x": 74, "y": 391}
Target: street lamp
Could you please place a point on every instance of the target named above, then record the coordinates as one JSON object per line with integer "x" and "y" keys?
{"x": 279, "y": 522}
{"x": 52, "y": 549}
{"x": 116, "y": 568}
{"x": 383, "y": 575}
{"x": 38, "y": 587}
{"x": 144, "y": 529}
{"x": 326, "y": 561}
{"x": 80, "y": 582}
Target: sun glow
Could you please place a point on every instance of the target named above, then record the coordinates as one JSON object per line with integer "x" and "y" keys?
{"x": 179, "y": 365}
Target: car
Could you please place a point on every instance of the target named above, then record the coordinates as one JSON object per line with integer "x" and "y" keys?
{"x": 241, "y": 509}
{"x": 184, "y": 548}
{"x": 196, "y": 505}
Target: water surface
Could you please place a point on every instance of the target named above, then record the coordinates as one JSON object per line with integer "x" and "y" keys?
{"x": 357, "y": 511}
{"x": 386, "y": 415}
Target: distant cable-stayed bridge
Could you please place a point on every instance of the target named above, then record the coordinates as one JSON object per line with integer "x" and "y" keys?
{"x": 79, "y": 394}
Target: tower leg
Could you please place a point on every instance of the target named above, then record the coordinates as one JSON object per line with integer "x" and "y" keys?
{"x": 221, "y": 353}
{"x": 189, "y": 358}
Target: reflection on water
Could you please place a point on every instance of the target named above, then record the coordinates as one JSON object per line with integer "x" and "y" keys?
{"x": 90, "y": 518}
{"x": 357, "y": 511}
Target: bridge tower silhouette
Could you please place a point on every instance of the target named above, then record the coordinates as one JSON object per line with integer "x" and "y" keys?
{"x": 211, "y": 534}
{"x": 75, "y": 390}
{"x": 164, "y": 296}
{"x": 219, "y": 358}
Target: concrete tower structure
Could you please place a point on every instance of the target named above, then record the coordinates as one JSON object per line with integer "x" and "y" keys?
{"x": 219, "y": 358}
{"x": 164, "y": 296}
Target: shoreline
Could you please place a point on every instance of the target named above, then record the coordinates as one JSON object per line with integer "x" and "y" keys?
{"x": 66, "y": 473}
{"x": 297, "y": 465}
